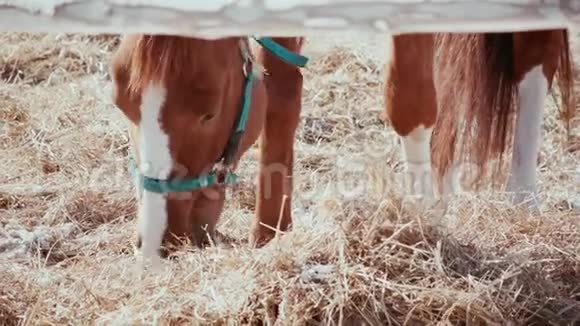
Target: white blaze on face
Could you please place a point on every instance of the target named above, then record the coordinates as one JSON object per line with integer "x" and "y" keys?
{"x": 533, "y": 90}
{"x": 156, "y": 162}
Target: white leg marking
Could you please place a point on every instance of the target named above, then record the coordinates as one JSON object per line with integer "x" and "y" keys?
{"x": 418, "y": 156}
{"x": 533, "y": 90}
{"x": 156, "y": 162}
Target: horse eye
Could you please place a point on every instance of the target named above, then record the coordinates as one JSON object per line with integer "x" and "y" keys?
{"x": 207, "y": 117}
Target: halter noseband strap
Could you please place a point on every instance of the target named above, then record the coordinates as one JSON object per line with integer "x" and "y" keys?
{"x": 223, "y": 173}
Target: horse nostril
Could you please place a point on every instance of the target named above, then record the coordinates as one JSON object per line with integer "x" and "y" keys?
{"x": 139, "y": 242}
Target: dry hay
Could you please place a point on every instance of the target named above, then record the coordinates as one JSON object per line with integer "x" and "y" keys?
{"x": 67, "y": 214}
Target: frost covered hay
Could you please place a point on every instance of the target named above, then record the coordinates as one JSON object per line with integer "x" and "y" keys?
{"x": 355, "y": 256}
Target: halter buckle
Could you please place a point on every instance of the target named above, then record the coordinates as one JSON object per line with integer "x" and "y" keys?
{"x": 220, "y": 177}
{"x": 221, "y": 172}
{"x": 247, "y": 56}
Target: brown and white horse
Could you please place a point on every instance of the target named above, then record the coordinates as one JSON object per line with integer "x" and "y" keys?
{"x": 468, "y": 89}
{"x": 183, "y": 95}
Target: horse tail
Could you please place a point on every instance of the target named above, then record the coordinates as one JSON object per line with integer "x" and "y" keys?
{"x": 477, "y": 96}
{"x": 565, "y": 79}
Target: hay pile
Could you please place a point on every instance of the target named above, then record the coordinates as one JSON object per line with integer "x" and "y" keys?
{"x": 358, "y": 253}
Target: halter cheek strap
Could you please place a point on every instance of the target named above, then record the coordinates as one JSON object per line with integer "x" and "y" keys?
{"x": 223, "y": 175}
{"x": 240, "y": 128}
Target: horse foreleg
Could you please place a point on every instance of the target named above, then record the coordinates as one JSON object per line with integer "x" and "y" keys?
{"x": 284, "y": 90}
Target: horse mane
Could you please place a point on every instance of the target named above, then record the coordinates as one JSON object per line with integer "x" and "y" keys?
{"x": 155, "y": 58}
{"x": 565, "y": 76}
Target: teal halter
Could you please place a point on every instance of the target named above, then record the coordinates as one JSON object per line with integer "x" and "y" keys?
{"x": 224, "y": 174}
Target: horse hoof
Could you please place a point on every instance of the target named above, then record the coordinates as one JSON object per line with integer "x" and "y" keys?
{"x": 152, "y": 264}
{"x": 528, "y": 200}
{"x": 439, "y": 208}
{"x": 156, "y": 264}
